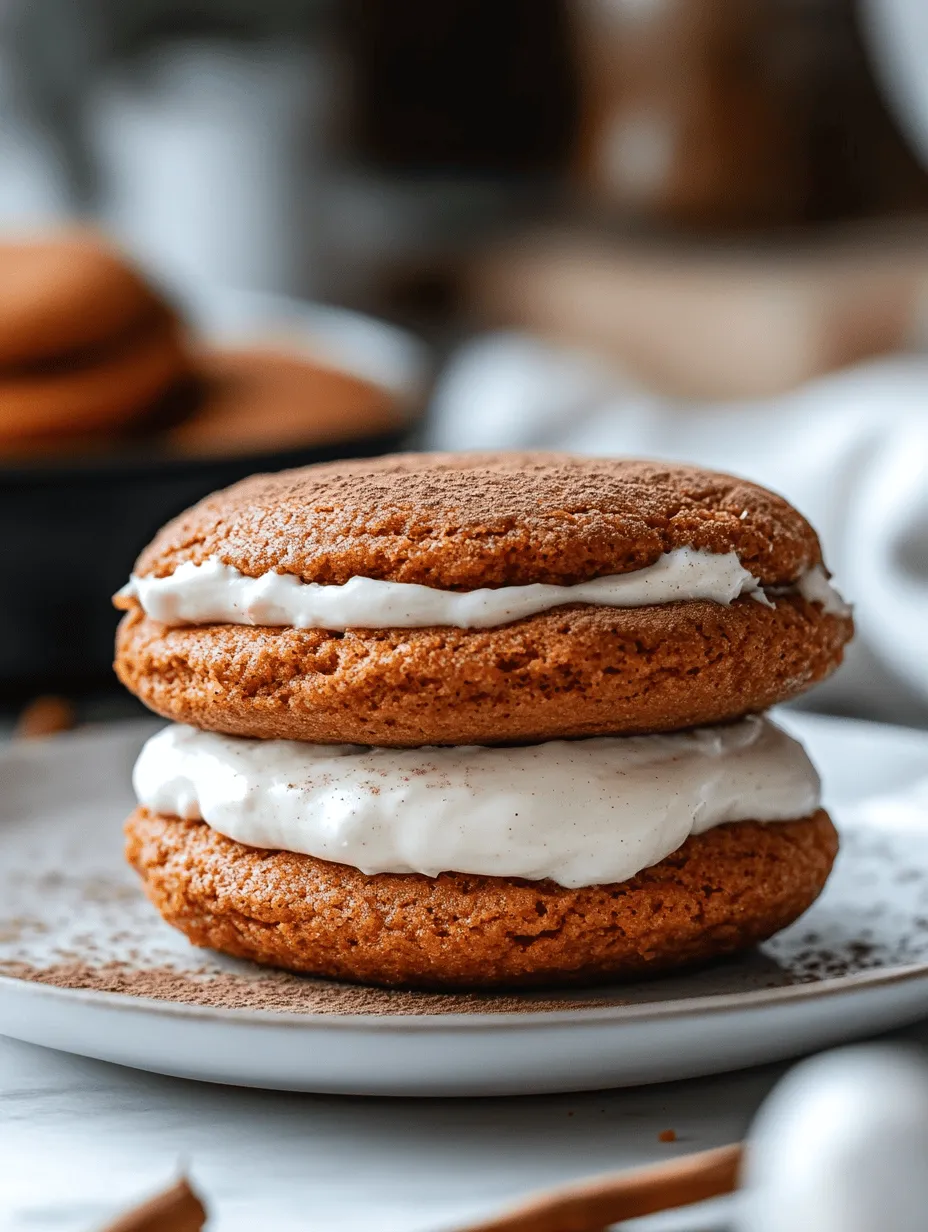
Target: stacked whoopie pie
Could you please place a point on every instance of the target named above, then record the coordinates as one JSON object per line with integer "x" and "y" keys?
{"x": 476, "y": 720}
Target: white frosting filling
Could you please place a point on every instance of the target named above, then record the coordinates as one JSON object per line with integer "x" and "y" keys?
{"x": 815, "y": 587}
{"x": 581, "y": 812}
{"x": 217, "y": 593}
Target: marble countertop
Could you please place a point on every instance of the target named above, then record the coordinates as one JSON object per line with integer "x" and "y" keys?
{"x": 82, "y": 1139}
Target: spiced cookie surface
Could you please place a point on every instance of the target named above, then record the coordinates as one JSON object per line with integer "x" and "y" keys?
{"x": 721, "y": 892}
{"x": 577, "y": 671}
{"x": 464, "y": 521}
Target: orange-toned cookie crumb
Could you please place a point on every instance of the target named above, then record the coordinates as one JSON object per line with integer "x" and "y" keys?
{"x": 721, "y": 892}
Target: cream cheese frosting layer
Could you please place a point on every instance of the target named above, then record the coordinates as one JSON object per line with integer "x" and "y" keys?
{"x": 581, "y": 812}
{"x": 214, "y": 592}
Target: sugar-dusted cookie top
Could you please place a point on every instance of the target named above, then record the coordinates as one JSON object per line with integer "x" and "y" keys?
{"x": 464, "y": 521}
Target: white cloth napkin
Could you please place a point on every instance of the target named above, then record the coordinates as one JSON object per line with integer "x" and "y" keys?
{"x": 850, "y": 451}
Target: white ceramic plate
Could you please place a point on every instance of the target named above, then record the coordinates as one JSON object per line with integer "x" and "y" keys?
{"x": 71, "y": 914}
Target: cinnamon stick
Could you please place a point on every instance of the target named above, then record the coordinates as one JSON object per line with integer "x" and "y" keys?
{"x": 178, "y": 1209}
{"x": 593, "y": 1205}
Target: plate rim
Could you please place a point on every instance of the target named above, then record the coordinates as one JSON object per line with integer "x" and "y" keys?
{"x": 761, "y": 999}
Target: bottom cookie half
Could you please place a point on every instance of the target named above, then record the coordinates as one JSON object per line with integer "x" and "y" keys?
{"x": 721, "y": 892}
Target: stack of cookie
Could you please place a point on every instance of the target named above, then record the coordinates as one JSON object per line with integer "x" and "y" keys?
{"x": 86, "y": 345}
{"x": 90, "y": 355}
{"x": 465, "y": 721}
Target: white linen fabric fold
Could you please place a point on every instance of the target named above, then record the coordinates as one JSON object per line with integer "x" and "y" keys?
{"x": 850, "y": 451}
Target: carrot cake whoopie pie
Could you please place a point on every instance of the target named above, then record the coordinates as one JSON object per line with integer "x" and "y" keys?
{"x": 480, "y": 720}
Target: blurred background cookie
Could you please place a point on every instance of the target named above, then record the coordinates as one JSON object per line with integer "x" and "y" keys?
{"x": 65, "y": 293}
{"x": 259, "y": 400}
{"x": 85, "y": 342}
{"x": 105, "y": 389}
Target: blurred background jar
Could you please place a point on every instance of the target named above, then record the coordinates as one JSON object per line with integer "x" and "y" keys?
{"x": 749, "y": 114}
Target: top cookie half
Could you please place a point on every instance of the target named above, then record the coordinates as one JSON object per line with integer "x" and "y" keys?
{"x": 710, "y": 601}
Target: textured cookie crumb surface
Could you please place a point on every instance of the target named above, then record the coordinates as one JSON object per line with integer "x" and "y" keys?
{"x": 577, "y": 671}
{"x": 463, "y": 521}
{"x": 722, "y": 892}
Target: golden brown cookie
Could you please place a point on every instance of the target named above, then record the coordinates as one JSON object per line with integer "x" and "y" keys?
{"x": 65, "y": 294}
{"x": 86, "y": 345}
{"x": 103, "y": 391}
{"x": 263, "y": 401}
{"x": 464, "y": 522}
{"x": 575, "y": 671}
{"x": 721, "y": 892}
